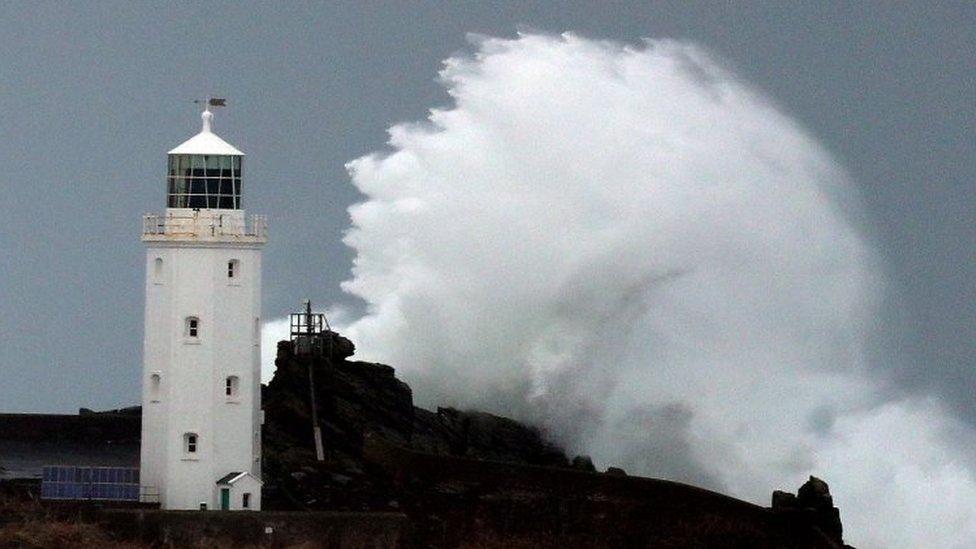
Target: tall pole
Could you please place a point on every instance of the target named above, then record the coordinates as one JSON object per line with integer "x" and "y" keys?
{"x": 316, "y": 430}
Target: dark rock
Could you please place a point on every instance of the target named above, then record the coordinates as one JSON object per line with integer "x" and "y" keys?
{"x": 783, "y": 501}
{"x": 616, "y": 472}
{"x": 360, "y": 399}
{"x": 583, "y": 463}
{"x": 813, "y": 504}
{"x": 814, "y": 494}
{"x": 340, "y": 479}
{"x": 342, "y": 347}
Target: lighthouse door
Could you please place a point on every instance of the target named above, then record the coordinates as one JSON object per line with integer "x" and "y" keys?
{"x": 225, "y": 499}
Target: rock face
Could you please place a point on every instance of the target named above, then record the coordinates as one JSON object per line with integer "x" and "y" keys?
{"x": 583, "y": 463}
{"x": 354, "y": 399}
{"x": 814, "y": 504}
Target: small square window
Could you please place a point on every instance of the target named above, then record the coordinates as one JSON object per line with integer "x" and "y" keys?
{"x": 192, "y": 327}
{"x": 231, "y": 385}
{"x": 190, "y": 440}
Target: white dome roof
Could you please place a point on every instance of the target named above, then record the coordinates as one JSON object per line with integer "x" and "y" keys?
{"x": 206, "y": 142}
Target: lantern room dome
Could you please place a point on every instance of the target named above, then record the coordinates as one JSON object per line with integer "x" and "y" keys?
{"x": 206, "y": 142}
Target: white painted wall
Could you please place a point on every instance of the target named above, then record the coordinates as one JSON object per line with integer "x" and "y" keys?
{"x": 192, "y": 280}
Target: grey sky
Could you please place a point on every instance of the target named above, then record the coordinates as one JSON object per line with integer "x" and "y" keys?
{"x": 92, "y": 98}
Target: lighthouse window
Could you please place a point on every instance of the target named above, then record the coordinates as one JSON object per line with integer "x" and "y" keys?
{"x": 192, "y": 326}
{"x": 204, "y": 181}
{"x": 154, "y": 387}
{"x": 158, "y": 270}
{"x": 190, "y": 443}
{"x": 232, "y": 268}
{"x": 231, "y": 386}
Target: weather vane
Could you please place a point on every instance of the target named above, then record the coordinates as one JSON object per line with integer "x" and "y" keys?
{"x": 212, "y": 102}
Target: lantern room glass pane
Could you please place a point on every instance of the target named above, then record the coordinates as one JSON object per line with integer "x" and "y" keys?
{"x": 204, "y": 181}
{"x": 197, "y": 186}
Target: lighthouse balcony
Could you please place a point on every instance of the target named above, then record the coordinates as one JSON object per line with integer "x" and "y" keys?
{"x": 218, "y": 226}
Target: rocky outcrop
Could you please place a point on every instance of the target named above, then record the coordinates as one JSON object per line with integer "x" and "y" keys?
{"x": 583, "y": 463}
{"x": 355, "y": 399}
{"x": 812, "y": 504}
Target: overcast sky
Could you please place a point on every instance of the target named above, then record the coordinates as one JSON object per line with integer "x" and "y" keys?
{"x": 91, "y": 99}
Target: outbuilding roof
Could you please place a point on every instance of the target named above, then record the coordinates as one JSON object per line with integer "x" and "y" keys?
{"x": 206, "y": 142}
{"x": 231, "y": 478}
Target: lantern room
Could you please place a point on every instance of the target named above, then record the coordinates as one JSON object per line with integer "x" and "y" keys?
{"x": 204, "y": 173}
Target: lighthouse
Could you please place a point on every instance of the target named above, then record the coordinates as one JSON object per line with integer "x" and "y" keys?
{"x": 201, "y": 392}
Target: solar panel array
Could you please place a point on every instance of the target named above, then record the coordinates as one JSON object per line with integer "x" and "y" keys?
{"x": 97, "y": 483}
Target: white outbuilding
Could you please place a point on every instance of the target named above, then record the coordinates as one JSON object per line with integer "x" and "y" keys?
{"x": 201, "y": 395}
{"x": 236, "y": 491}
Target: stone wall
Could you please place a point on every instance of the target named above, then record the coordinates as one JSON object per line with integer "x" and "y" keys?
{"x": 265, "y": 528}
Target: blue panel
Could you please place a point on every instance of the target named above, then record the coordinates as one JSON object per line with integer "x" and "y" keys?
{"x": 102, "y": 483}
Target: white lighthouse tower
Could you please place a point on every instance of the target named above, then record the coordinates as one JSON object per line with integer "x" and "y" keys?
{"x": 201, "y": 392}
